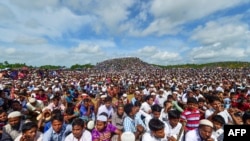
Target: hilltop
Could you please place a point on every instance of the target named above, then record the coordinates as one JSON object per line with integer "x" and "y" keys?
{"x": 124, "y": 64}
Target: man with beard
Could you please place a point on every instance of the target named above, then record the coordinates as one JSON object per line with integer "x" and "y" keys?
{"x": 118, "y": 117}
{"x": 202, "y": 133}
{"x": 13, "y": 129}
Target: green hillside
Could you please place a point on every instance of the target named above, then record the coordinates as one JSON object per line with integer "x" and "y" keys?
{"x": 231, "y": 64}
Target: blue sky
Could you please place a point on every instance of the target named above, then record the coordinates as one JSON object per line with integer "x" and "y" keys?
{"x": 165, "y": 32}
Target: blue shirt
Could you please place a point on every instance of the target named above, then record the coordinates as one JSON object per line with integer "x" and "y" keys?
{"x": 51, "y": 135}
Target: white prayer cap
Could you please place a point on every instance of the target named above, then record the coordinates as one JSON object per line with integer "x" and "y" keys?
{"x": 14, "y": 114}
{"x": 36, "y": 89}
{"x": 124, "y": 95}
{"x": 206, "y": 122}
{"x": 32, "y": 99}
{"x": 103, "y": 96}
{"x": 127, "y": 136}
{"x": 33, "y": 95}
{"x": 90, "y": 124}
{"x": 102, "y": 118}
{"x": 153, "y": 93}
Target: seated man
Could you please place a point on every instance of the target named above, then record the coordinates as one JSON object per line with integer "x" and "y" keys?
{"x": 156, "y": 132}
{"x": 79, "y": 132}
{"x": 203, "y": 132}
{"x": 58, "y": 131}
{"x": 13, "y": 129}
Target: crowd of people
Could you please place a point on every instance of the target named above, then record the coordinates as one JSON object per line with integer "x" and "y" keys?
{"x": 122, "y": 104}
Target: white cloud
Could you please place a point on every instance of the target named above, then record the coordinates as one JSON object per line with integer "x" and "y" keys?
{"x": 154, "y": 55}
{"x": 224, "y": 30}
{"x": 169, "y": 15}
{"x": 10, "y": 51}
{"x": 224, "y": 39}
{"x": 84, "y": 48}
{"x": 147, "y": 50}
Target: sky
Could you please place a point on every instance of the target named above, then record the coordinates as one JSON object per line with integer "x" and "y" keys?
{"x": 163, "y": 32}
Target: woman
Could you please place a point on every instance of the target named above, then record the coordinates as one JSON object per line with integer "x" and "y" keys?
{"x": 30, "y": 133}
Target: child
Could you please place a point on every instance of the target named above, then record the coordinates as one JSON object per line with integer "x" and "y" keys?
{"x": 202, "y": 107}
{"x": 103, "y": 130}
{"x": 3, "y": 121}
{"x": 218, "y": 131}
{"x": 191, "y": 115}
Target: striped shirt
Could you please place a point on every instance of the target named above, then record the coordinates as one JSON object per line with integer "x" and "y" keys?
{"x": 192, "y": 118}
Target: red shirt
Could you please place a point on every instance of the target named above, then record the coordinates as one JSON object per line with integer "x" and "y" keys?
{"x": 192, "y": 117}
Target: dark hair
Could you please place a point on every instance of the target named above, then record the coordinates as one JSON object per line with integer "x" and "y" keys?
{"x": 128, "y": 108}
{"x": 2, "y": 111}
{"x": 108, "y": 99}
{"x": 69, "y": 111}
{"x": 78, "y": 121}
{"x": 56, "y": 98}
{"x": 137, "y": 104}
{"x": 15, "y": 101}
{"x": 156, "y": 108}
{"x": 104, "y": 114}
{"x": 173, "y": 114}
{"x": 170, "y": 96}
{"x": 148, "y": 97}
{"x": 192, "y": 100}
{"x": 86, "y": 100}
{"x": 27, "y": 126}
{"x": 201, "y": 99}
{"x": 166, "y": 101}
{"x": 155, "y": 124}
{"x": 218, "y": 118}
{"x": 57, "y": 117}
{"x": 246, "y": 116}
{"x": 213, "y": 99}
{"x": 56, "y": 112}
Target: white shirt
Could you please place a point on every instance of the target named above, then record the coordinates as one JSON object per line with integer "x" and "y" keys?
{"x": 147, "y": 119}
{"x": 39, "y": 104}
{"x": 164, "y": 116}
{"x": 39, "y": 137}
{"x": 161, "y": 100}
{"x": 193, "y": 135}
{"x": 147, "y": 136}
{"x": 227, "y": 117}
{"x": 103, "y": 108}
{"x": 145, "y": 108}
{"x": 218, "y": 132}
{"x": 173, "y": 131}
{"x": 86, "y": 136}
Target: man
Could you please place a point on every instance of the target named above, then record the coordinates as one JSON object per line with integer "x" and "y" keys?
{"x": 202, "y": 133}
{"x": 118, "y": 117}
{"x": 78, "y": 132}
{"x": 56, "y": 104}
{"x": 107, "y": 107}
{"x": 131, "y": 123}
{"x": 58, "y": 130}
{"x": 217, "y": 109}
{"x": 13, "y": 129}
{"x": 156, "y": 112}
{"x": 35, "y": 106}
{"x": 145, "y": 108}
{"x": 30, "y": 133}
{"x": 173, "y": 126}
{"x": 156, "y": 133}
